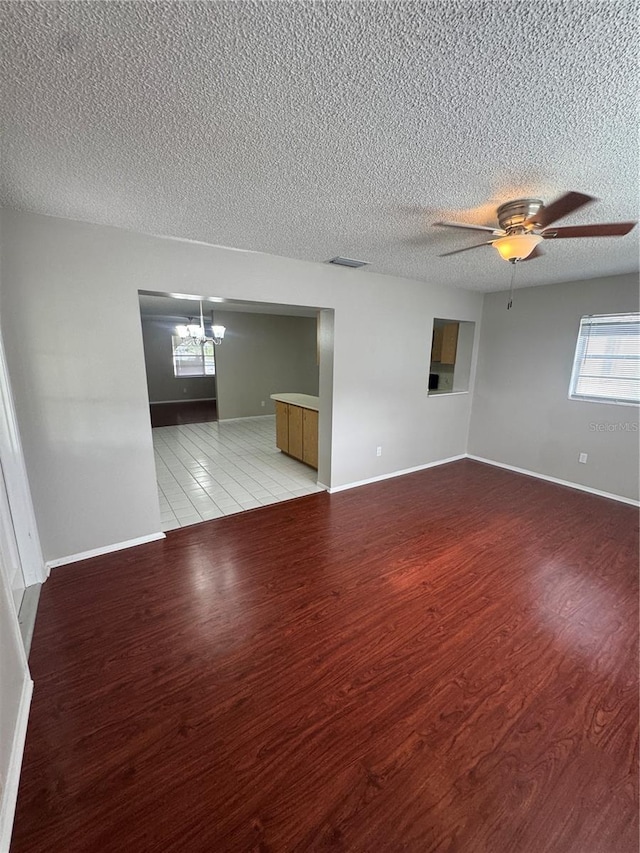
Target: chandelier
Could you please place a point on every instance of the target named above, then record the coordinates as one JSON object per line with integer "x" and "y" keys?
{"x": 198, "y": 334}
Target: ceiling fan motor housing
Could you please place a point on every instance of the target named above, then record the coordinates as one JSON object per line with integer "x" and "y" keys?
{"x": 513, "y": 214}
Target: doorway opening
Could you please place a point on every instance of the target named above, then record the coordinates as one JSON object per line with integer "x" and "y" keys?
{"x": 213, "y": 412}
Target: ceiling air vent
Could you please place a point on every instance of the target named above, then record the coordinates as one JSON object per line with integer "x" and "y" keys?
{"x": 348, "y": 262}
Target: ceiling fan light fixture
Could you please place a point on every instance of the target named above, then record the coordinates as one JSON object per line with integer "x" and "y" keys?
{"x": 516, "y": 247}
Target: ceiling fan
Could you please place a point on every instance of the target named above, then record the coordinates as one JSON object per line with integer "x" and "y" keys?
{"x": 524, "y": 223}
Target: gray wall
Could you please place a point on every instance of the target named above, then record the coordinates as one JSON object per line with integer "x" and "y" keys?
{"x": 80, "y": 389}
{"x": 158, "y": 356}
{"x": 263, "y": 354}
{"x": 521, "y": 412}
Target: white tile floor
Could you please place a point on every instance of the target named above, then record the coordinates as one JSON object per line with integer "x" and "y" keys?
{"x": 209, "y": 470}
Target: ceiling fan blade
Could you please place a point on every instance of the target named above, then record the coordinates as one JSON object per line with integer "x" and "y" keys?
{"x": 471, "y": 227}
{"x": 467, "y": 249}
{"x": 602, "y": 229}
{"x": 537, "y": 253}
{"x": 562, "y": 206}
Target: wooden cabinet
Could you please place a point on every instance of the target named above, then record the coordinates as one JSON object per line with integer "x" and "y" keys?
{"x": 449, "y": 343}
{"x": 436, "y": 346}
{"x": 445, "y": 344}
{"x": 310, "y": 437}
{"x": 282, "y": 425}
{"x": 297, "y": 432}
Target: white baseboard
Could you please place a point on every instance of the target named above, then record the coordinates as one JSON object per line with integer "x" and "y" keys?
{"x": 108, "y": 549}
{"x": 332, "y": 490}
{"x": 185, "y": 400}
{"x": 28, "y": 613}
{"x": 556, "y": 480}
{"x": 10, "y": 790}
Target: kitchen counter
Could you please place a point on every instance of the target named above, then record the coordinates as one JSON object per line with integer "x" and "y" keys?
{"x": 305, "y": 401}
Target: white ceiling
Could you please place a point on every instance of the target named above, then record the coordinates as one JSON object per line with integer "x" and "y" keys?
{"x": 315, "y": 129}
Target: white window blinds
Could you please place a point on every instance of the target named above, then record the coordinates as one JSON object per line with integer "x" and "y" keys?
{"x": 191, "y": 358}
{"x": 606, "y": 367}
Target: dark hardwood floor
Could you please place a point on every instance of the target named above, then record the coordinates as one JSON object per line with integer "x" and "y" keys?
{"x": 446, "y": 661}
{"x": 190, "y": 412}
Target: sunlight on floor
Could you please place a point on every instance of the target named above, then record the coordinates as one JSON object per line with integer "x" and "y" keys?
{"x": 205, "y": 471}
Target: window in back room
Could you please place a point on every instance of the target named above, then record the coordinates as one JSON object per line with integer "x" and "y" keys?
{"x": 192, "y": 358}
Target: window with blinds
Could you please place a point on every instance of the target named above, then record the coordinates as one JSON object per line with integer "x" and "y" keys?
{"x": 606, "y": 367}
{"x": 191, "y": 358}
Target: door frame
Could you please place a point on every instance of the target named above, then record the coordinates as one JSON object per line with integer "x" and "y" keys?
{"x": 15, "y": 731}
{"x": 23, "y": 517}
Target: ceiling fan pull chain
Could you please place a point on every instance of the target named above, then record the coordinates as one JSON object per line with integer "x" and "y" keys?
{"x": 513, "y": 276}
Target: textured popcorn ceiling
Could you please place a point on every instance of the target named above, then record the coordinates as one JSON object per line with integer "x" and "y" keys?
{"x": 315, "y": 129}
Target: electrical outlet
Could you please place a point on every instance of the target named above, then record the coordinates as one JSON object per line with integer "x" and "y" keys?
{"x": 583, "y": 458}
{"x": 262, "y": 403}
{"x": 378, "y": 451}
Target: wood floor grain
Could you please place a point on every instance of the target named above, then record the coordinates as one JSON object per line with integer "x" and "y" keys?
{"x": 446, "y": 661}
{"x": 190, "y": 412}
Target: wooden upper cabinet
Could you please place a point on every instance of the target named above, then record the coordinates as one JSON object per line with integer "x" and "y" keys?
{"x": 445, "y": 343}
{"x": 449, "y": 343}
{"x": 310, "y": 437}
{"x": 436, "y": 346}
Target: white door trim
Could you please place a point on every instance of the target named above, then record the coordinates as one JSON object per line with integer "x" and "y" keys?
{"x": 15, "y": 671}
{"x": 10, "y": 792}
{"x": 15, "y": 473}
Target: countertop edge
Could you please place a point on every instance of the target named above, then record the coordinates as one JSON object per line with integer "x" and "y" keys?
{"x": 305, "y": 401}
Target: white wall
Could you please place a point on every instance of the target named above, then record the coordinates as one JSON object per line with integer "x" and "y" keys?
{"x": 263, "y": 354}
{"x": 326, "y": 323}
{"x": 80, "y": 385}
{"x": 521, "y": 412}
{"x": 158, "y": 355}
{"x": 71, "y": 326}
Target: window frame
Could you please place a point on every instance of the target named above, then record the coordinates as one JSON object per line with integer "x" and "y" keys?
{"x": 579, "y": 360}
{"x": 176, "y": 341}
